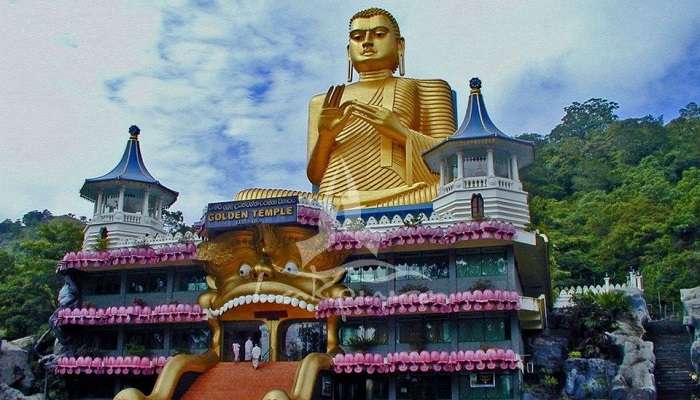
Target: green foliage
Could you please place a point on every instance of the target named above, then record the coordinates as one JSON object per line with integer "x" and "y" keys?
{"x": 591, "y": 316}
{"x": 618, "y": 194}
{"x": 135, "y": 349}
{"x": 575, "y": 354}
{"x": 173, "y": 222}
{"x": 30, "y": 283}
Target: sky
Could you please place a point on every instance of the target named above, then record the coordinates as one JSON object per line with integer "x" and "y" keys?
{"x": 220, "y": 89}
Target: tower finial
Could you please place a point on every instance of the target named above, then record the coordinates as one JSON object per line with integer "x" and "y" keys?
{"x": 475, "y": 85}
{"x": 134, "y": 131}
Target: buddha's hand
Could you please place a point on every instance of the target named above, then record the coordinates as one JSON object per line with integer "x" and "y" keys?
{"x": 333, "y": 115}
{"x": 385, "y": 121}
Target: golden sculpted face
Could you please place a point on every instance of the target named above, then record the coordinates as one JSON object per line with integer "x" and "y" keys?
{"x": 267, "y": 261}
{"x": 374, "y": 44}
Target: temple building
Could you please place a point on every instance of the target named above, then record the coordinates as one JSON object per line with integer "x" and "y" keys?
{"x": 408, "y": 272}
{"x": 133, "y": 287}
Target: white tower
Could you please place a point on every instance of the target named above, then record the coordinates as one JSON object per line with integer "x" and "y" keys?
{"x": 128, "y": 199}
{"x": 479, "y": 166}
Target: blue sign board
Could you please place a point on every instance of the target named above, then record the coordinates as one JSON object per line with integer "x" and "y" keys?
{"x": 231, "y": 214}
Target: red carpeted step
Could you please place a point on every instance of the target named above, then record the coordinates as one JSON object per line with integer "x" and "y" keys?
{"x": 239, "y": 381}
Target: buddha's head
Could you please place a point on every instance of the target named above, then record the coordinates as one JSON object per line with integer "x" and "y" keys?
{"x": 375, "y": 41}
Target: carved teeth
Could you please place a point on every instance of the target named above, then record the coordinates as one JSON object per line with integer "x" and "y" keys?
{"x": 259, "y": 298}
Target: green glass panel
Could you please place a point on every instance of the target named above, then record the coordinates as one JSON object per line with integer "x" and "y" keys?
{"x": 494, "y": 330}
{"x": 470, "y": 330}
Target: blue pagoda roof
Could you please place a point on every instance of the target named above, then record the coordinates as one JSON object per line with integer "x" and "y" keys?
{"x": 476, "y": 128}
{"x": 131, "y": 168}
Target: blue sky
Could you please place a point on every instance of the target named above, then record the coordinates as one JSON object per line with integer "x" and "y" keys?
{"x": 220, "y": 89}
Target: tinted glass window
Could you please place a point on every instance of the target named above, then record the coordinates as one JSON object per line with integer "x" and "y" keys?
{"x": 423, "y": 266}
{"x": 484, "y": 329}
{"x": 481, "y": 264}
{"x": 189, "y": 340}
{"x": 147, "y": 282}
{"x": 364, "y": 332}
{"x": 144, "y": 339}
{"x": 300, "y": 338}
{"x": 102, "y": 284}
{"x": 427, "y": 330}
{"x": 190, "y": 281}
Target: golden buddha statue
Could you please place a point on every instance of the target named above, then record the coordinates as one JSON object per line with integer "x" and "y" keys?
{"x": 366, "y": 138}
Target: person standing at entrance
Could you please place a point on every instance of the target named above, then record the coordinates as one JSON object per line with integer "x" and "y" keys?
{"x": 256, "y": 355}
{"x": 236, "y": 351}
{"x": 248, "y": 348}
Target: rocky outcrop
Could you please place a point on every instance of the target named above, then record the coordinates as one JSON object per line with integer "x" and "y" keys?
{"x": 549, "y": 349}
{"x": 635, "y": 376}
{"x": 8, "y": 393}
{"x": 15, "y": 368}
{"x": 588, "y": 378}
{"x": 691, "y": 304}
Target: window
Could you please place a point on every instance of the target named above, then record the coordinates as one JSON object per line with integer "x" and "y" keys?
{"x": 361, "y": 388}
{"x": 475, "y": 166}
{"x": 484, "y": 329}
{"x": 145, "y": 340}
{"x": 422, "y": 386}
{"x": 299, "y": 338}
{"x": 425, "y": 330}
{"x": 99, "y": 341}
{"x": 103, "y": 284}
{"x": 451, "y": 169}
{"x": 480, "y": 386}
{"x": 501, "y": 165}
{"x": 477, "y": 206}
{"x": 481, "y": 264}
{"x": 367, "y": 274}
{"x": 422, "y": 266}
{"x": 147, "y": 282}
{"x": 190, "y": 281}
{"x": 189, "y": 340}
{"x": 369, "y": 333}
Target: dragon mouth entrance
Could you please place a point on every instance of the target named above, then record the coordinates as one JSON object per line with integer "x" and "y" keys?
{"x": 278, "y": 299}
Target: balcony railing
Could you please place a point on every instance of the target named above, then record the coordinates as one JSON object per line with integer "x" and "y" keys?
{"x": 480, "y": 182}
{"x": 129, "y": 218}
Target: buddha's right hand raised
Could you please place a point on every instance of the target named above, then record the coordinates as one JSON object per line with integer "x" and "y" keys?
{"x": 333, "y": 115}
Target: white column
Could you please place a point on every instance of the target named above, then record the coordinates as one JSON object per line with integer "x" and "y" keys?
{"x": 144, "y": 209}
{"x": 515, "y": 175}
{"x": 443, "y": 173}
{"x": 159, "y": 206}
{"x": 460, "y": 165}
{"x": 120, "y": 204}
{"x": 489, "y": 162}
{"x": 100, "y": 202}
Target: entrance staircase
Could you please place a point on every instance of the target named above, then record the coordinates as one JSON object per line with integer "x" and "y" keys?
{"x": 672, "y": 351}
{"x": 239, "y": 381}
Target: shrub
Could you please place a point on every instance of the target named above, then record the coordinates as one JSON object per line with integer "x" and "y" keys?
{"x": 575, "y": 354}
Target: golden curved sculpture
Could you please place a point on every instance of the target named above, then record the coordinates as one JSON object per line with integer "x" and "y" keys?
{"x": 304, "y": 379}
{"x": 176, "y": 367}
{"x": 262, "y": 260}
{"x": 365, "y": 139}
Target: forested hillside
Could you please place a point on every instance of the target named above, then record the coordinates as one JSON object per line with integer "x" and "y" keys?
{"x": 29, "y": 251}
{"x": 617, "y": 194}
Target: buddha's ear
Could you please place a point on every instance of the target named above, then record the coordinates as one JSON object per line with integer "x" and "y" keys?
{"x": 401, "y": 45}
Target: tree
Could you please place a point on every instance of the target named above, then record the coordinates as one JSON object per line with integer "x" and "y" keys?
{"x": 581, "y": 119}
{"x": 34, "y": 218}
{"x": 691, "y": 111}
{"x": 173, "y": 221}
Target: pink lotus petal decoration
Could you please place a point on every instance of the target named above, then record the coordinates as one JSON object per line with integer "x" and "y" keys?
{"x": 421, "y": 303}
{"x": 130, "y": 365}
{"x": 131, "y": 315}
{"x": 491, "y": 359}
{"x": 124, "y": 256}
{"x": 409, "y": 235}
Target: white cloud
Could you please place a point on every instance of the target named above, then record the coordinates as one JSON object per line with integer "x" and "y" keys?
{"x": 221, "y": 91}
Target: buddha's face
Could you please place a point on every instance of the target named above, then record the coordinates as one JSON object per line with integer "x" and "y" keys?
{"x": 373, "y": 44}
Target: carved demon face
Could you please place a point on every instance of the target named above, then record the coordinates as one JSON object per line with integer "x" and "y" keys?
{"x": 269, "y": 264}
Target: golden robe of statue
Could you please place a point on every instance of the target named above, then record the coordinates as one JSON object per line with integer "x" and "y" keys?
{"x": 366, "y": 139}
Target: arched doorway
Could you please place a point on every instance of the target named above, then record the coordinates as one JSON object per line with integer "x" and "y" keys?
{"x": 239, "y": 332}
